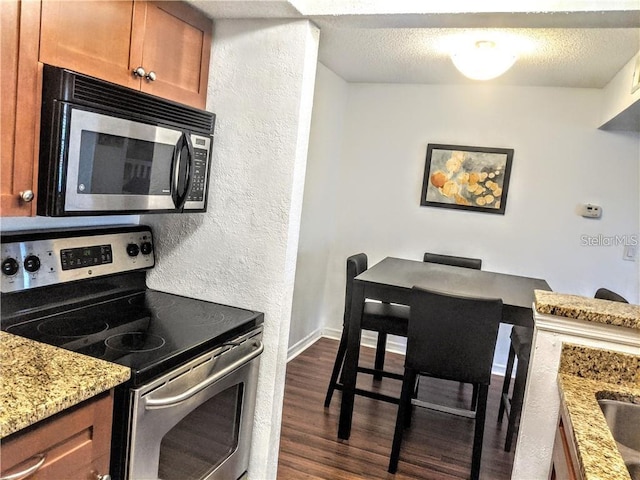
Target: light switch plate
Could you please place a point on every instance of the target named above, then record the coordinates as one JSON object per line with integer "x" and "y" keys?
{"x": 630, "y": 252}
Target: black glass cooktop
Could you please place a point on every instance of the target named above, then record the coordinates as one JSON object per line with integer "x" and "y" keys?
{"x": 148, "y": 331}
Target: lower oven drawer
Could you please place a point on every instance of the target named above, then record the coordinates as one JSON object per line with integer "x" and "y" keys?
{"x": 195, "y": 423}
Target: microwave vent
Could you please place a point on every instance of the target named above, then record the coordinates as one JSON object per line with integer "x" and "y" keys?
{"x": 87, "y": 90}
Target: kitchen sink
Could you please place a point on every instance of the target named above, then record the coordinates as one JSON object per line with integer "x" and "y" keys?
{"x": 623, "y": 419}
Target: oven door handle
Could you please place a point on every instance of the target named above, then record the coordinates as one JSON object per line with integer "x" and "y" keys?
{"x": 156, "y": 403}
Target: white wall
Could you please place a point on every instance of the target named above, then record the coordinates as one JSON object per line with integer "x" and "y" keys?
{"x": 561, "y": 160}
{"x": 320, "y": 207}
{"x": 242, "y": 251}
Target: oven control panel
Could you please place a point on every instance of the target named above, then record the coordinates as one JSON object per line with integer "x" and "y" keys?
{"x": 31, "y": 260}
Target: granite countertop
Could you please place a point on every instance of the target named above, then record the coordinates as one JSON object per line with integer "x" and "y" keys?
{"x": 586, "y": 308}
{"x": 39, "y": 380}
{"x": 585, "y": 376}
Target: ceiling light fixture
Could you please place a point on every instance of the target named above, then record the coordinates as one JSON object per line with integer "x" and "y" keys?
{"x": 483, "y": 60}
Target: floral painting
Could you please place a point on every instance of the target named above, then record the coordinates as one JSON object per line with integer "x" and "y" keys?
{"x": 467, "y": 178}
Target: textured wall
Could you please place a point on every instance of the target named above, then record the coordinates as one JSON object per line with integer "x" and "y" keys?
{"x": 317, "y": 231}
{"x": 243, "y": 250}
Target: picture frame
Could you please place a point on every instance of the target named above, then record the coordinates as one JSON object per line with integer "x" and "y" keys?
{"x": 467, "y": 178}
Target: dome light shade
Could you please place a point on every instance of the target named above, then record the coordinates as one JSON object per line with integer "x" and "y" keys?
{"x": 483, "y": 61}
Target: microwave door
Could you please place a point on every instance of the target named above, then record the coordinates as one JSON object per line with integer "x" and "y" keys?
{"x": 183, "y": 167}
{"x": 117, "y": 165}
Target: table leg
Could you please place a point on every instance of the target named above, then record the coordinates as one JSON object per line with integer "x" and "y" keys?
{"x": 350, "y": 366}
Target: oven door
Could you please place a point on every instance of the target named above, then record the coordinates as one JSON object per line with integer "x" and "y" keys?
{"x": 196, "y": 422}
{"x": 118, "y": 165}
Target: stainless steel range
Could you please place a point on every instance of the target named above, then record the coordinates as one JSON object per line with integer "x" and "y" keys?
{"x": 187, "y": 411}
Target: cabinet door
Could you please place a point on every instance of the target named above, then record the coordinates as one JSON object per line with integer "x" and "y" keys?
{"x": 73, "y": 444}
{"x": 19, "y": 109}
{"x": 92, "y": 37}
{"x": 177, "y": 46}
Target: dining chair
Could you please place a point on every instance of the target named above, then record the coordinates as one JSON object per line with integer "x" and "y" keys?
{"x": 383, "y": 318}
{"x": 455, "y": 261}
{"x": 606, "y": 294}
{"x": 519, "y": 353}
{"x": 466, "y": 262}
{"x": 453, "y": 338}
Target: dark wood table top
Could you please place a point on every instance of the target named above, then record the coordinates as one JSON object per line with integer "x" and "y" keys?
{"x": 402, "y": 274}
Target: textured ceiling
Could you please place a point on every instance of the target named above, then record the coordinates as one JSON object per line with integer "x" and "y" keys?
{"x": 572, "y": 43}
{"x": 550, "y": 57}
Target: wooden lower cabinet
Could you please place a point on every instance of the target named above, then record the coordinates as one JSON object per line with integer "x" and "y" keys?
{"x": 74, "y": 444}
{"x": 565, "y": 460}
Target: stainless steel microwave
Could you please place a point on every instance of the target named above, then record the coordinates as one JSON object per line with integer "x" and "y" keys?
{"x": 111, "y": 150}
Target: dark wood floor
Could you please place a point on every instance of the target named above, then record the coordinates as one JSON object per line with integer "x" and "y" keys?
{"x": 437, "y": 446}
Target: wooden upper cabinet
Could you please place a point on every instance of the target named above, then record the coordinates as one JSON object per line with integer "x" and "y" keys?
{"x": 19, "y": 109}
{"x": 89, "y": 37}
{"x": 177, "y": 47}
{"x": 169, "y": 41}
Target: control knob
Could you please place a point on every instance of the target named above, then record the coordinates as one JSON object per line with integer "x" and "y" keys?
{"x": 10, "y": 266}
{"x": 133, "y": 249}
{"x": 31, "y": 263}
{"x": 146, "y": 248}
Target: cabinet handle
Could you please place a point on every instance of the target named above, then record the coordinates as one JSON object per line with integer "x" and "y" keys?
{"x": 106, "y": 476}
{"x": 139, "y": 72}
{"x": 28, "y": 471}
{"x": 151, "y": 76}
{"x": 26, "y": 196}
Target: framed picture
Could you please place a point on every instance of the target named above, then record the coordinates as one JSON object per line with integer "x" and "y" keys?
{"x": 467, "y": 178}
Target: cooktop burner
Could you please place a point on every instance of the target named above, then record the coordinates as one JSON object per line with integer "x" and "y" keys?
{"x": 134, "y": 342}
{"x": 72, "y": 326}
{"x": 148, "y": 331}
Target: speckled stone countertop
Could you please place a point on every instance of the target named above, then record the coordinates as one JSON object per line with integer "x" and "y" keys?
{"x": 585, "y": 376}
{"x": 585, "y": 308}
{"x": 39, "y": 380}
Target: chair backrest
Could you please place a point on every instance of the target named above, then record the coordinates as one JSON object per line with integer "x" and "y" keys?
{"x": 356, "y": 264}
{"x": 466, "y": 262}
{"x": 452, "y": 337}
{"x": 606, "y": 294}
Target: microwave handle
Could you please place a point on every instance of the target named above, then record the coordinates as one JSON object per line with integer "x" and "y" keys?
{"x": 179, "y": 199}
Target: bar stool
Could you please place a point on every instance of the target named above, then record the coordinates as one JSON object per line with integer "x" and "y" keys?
{"x": 450, "y": 337}
{"x": 466, "y": 262}
{"x": 384, "y": 318}
{"x": 606, "y": 294}
{"x": 520, "y": 349}
{"x": 456, "y": 261}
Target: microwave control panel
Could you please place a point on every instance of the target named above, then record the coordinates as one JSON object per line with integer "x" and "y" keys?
{"x": 38, "y": 262}
{"x": 199, "y": 175}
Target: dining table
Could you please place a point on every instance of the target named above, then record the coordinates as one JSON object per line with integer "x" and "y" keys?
{"x": 392, "y": 279}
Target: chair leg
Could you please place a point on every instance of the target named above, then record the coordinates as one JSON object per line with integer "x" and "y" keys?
{"x": 337, "y": 366}
{"x": 505, "y": 384}
{"x": 408, "y": 384}
{"x": 408, "y": 412}
{"x": 381, "y": 348}
{"x": 516, "y": 403}
{"x": 474, "y": 397}
{"x": 478, "y": 435}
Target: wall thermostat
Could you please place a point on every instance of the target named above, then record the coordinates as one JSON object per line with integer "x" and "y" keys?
{"x": 591, "y": 211}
